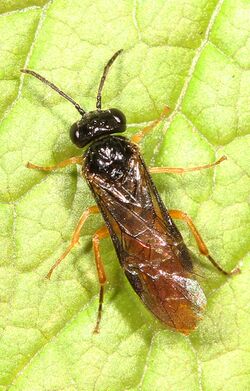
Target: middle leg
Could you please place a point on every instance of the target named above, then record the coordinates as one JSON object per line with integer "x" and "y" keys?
{"x": 64, "y": 163}
{"x": 180, "y": 170}
{"x": 91, "y": 210}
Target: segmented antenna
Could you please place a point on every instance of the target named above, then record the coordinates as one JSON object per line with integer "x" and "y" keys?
{"x": 104, "y": 75}
{"x": 55, "y": 88}
{"x": 71, "y": 100}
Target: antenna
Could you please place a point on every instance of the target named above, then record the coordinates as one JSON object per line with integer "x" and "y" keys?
{"x": 104, "y": 75}
{"x": 55, "y": 88}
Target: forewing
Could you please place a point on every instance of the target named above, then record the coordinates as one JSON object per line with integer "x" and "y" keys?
{"x": 149, "y": 246}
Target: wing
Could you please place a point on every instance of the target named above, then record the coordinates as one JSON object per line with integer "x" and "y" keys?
{"x": 149, "y": 246}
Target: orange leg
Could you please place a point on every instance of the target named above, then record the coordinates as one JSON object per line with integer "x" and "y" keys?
{"x": 180, "y": 170}
{"x": 179, "y": 215}
{"x": 91, "y": 210}
{"x": 64, "y": 163}
{"x": 136, "y": 138}
{"x": 100, "y": 234}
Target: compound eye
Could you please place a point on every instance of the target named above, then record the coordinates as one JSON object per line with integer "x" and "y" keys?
{"x": 76, "y": 134}
{"x": 119, "y": 120}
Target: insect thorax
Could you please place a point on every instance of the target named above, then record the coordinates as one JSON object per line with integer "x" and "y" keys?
{"x": 109, "y": 157}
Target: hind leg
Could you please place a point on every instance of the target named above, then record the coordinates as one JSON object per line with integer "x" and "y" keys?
{"x": 179, "y": 215}
{"x": 100, "y": 234}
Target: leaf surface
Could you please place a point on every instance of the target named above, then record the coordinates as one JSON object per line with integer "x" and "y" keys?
{"x": 190, "y": 55}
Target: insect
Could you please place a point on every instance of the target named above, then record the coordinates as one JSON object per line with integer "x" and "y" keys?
{"x": 149, "y": 246}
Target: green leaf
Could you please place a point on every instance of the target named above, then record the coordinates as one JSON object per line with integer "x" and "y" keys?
{"x": 191, "y": 55}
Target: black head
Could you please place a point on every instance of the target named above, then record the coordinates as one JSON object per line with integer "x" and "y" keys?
{"x": 95, "y": 124}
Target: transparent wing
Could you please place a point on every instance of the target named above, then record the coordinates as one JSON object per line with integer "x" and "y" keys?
{"x": 149, "y": 246}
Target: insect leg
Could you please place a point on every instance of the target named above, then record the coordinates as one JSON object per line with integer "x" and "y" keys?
{"x": 64, "y": 163}
{"x": 180, "y": 170}
{"x": 136, "y": 138}
{"x": 75, "y": 238}
{"x": 100, "y": 234}
{"x": 179, "y": 215}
